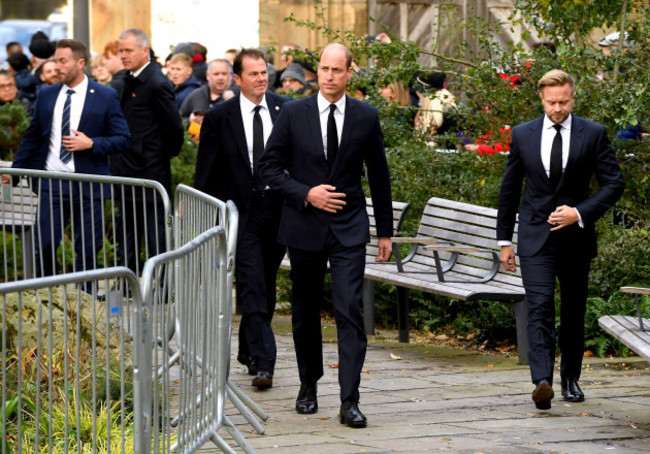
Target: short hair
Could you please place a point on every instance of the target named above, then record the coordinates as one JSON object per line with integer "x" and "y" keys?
{"x": 220, "y": 60}
{"x": 77, "y": 48}
{"x": 554, "y": 78}
{"x": 18, "y": 61}
{"x": 348, "y": 54}
{"x": 237, "y": 64}
{"x": 6, "y": 72}
{"x": 181, "y": 58}
{"x": 198, "y": 48}
{"x": 11, "y": 44}
{"x": 141, "y": 38}
{"x": 111, "y": 48}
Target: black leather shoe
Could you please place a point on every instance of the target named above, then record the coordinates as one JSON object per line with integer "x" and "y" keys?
{"x": 351, "y": 416}
{"x": 307, "y": 403}
{"x": 249, "y": 362}
{"x": 263, "y": 380}
{"x": 543, "y": 394}
{"x": 571, "y": 391}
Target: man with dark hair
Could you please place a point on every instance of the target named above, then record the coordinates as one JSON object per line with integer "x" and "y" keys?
{"x": 314, "y": 158}
{"x": 13, "y": 46}
{"x": 558, "y": 155}
{"x": 156, "y": 128}
{"x": 9, "y": 91}
{"x": 25, "y": 81}
{"x": 49, "y": 76}
{"x": 231, "y": 142}
{"x": 77, "y": 124}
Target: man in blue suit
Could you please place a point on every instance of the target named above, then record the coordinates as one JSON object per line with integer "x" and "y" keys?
{"x": 315, "y": 158}
{"x": 557, "y": 155}
{"x": 77, "y": 124}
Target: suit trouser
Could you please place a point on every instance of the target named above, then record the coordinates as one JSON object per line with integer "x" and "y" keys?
{"x": 559, "y": 259}
{"x": 308, "y": 270}
{"x": 140, "y": 216}
{"x": 58, "y": 205}
{"x": 256, "y": 266}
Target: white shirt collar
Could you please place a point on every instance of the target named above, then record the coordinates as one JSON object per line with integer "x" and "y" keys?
{"x": 247, "y": 105}
{"x": 548, "y": 123}
{"x": 324, "y": 104}
{"x": 81, "y": 88}
{"x": 139, "y": 71}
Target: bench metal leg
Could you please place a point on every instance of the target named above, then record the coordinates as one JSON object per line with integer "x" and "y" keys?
{"x": 520, "y": 309}
{"x": 403, "y": 313}
{"x": 369, "y": 306}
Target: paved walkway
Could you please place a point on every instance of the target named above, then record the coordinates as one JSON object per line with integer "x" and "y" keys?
{"x": 429, "y": 399}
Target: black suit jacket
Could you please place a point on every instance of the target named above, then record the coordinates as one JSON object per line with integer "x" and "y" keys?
{"x": 156, "y": 127}
{"x": 590, "y": 154}
{"x": 223, "y": 167}
{"x": 294, "y": 162}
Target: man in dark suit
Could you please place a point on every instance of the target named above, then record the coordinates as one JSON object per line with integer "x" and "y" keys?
{"x": 231, "y": 142}
{"x": 148, "y": 104}
{"x": 557, "y": 155}
{"x": 315, "y": 157}
{"x": 77, "y": 124}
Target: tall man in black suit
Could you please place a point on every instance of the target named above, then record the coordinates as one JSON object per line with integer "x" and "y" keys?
{"x": 156, "y": 128}
{"x": 557, "y": 155}
{"x": 315, "y": 157}
{"x": 231, "y": 142}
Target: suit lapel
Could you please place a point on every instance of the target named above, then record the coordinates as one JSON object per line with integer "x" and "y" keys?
{"x": 48, "y": 106}
{"x": 535, "y": 147}
{"x": 236, "y": 124}
{"x": 88, "y": 105}
{"x": 348, "y": 121}
{"x": 313, "y": 121}
{"x": 575, "y": 146}
{"x": 274, "y": 109}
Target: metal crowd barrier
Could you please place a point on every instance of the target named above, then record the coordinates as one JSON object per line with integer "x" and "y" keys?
{"x": 172, "y": 335}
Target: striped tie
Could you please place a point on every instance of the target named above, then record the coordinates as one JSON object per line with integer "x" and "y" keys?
{"x": 65, "y": 128}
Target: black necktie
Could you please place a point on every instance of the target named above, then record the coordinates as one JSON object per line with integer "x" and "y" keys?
{"x": 332, "y": 137}
{"x": 65, "y": 155}
{"x": 555, "y": 171}
{"x": 258, "y": 146}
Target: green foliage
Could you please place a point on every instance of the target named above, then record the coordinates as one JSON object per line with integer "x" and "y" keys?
{"x": 13, "y": 123}
{"x": 184, "y": 164}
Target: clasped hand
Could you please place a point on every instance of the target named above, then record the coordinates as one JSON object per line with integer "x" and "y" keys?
{"x": 323, "y": 198}
{"x": 77, "y": 142}
{"x": 562, "y": 216}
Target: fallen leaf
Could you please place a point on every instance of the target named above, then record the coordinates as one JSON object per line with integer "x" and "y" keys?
{"x": 589, "y": 353}
{"x": 442, "y": 337}
{"x": 394, "y": 356}
{"x": 490, "y": 365}
{"x": 471, "y": 336}
{"x": 366, "y": 372}
{"x": 333, "y": 365}
{"x": 505, "y": 348}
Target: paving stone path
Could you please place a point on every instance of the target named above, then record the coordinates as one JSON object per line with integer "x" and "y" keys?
{"x": 431, "y": 399}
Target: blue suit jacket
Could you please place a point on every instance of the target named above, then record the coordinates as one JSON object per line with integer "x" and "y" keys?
{"x": 101, "y": 120}
{"x": 294, "y": 162}
{"x": 590, "y": 154}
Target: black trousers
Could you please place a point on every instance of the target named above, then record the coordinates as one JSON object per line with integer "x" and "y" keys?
{"x": 256, "y": 267}
{"x": 559, "y": 259}
{"x": 140, "y": 216}
{"x": 308, "y": 270}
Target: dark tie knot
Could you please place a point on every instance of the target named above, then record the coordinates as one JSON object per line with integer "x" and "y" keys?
{"x": 70, "y": 91}
{"x": 332, "y": 108}
{"x": 558, "y": 128}
{"x": 257, "y": 109}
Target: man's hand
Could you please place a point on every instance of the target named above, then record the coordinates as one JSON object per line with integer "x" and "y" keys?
{"x": 385, "y": 249}
{"x": 324, "y": 199}
{"x": 562, "y": 216}
{"x": 508, "y": 258}
{"x": 78, "y": 142}
{"x": 6, "y": 179}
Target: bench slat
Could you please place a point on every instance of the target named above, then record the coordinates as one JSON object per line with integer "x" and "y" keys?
{"x": 626, "y": 330}
{"x": 636, "y": 290}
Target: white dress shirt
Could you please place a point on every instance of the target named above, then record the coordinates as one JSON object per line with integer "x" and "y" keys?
{"x": 77, "y": 100}
{"x": 324, "y": 112}
{"x": 247, "y": 114}
{"x": 548, "y": 134}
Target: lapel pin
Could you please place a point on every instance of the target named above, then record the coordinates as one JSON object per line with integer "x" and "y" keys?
{"x": 277, "y": 107}
{"x": 92, "y": 90}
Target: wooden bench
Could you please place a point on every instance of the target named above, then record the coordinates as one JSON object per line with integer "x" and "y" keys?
{"x": 18, "y": 208}
{"x": 399, "y": 210}
{"x": 633, "y": 332}
{"x": 454, "y": 255}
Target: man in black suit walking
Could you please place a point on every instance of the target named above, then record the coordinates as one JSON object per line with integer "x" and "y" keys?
{"x": 315, "y": 157}
{"x": 557, "y": 155}
{"x": 148, "y": 104}
{"x": 232, "y": 140}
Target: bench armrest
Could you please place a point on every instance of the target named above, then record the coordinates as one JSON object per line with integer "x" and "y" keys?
{"x": 636, "y": 291}
{"x": 461, "y": 249}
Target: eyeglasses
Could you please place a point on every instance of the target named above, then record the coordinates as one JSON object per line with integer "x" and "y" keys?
{"x": 7, "y": 86}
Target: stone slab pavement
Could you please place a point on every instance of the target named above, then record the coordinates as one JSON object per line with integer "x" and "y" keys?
{"x": 434, "y": 399}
